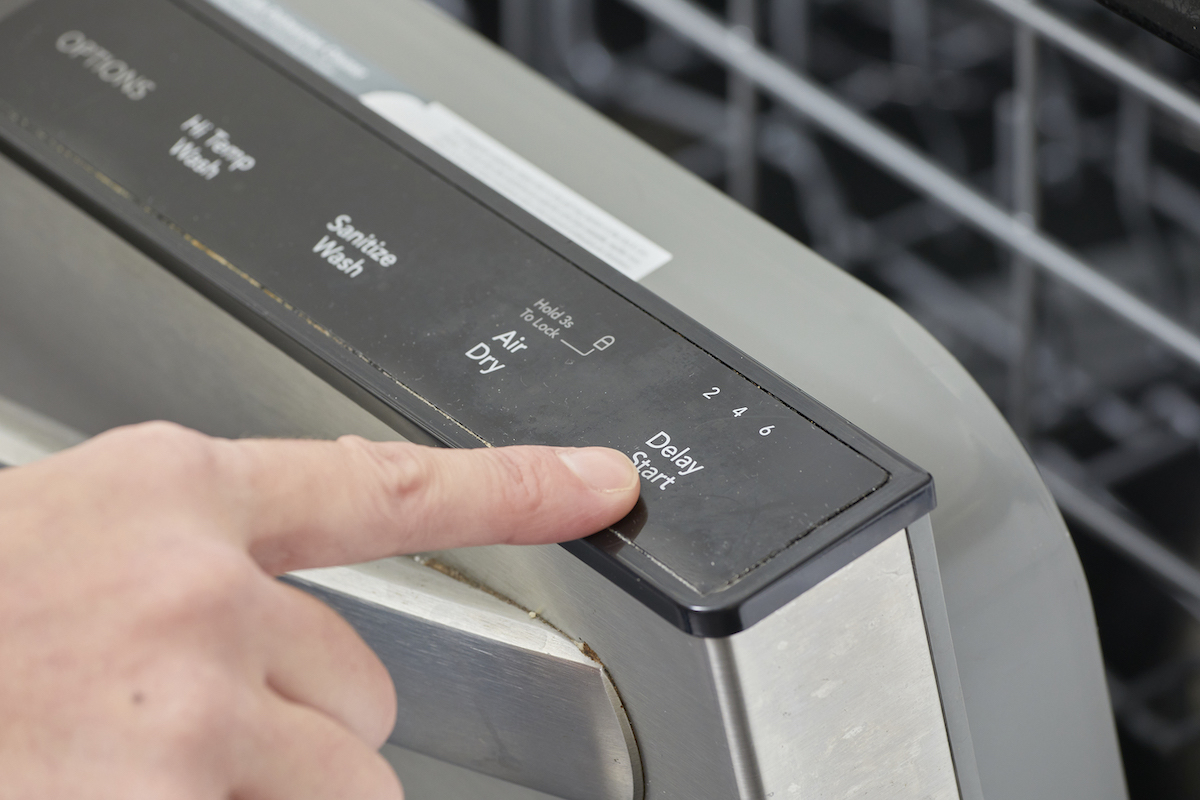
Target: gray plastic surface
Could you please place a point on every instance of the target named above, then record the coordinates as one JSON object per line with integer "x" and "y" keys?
{"x": 1018, "y": 603}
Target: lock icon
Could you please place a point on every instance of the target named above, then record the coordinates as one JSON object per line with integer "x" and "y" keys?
{"x": 603, "y": 343}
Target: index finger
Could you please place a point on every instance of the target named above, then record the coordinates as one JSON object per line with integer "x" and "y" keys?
{"x": 301, "y": 504}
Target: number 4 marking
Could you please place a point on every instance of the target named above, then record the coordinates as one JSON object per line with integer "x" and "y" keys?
{"x": 737, "y": 412}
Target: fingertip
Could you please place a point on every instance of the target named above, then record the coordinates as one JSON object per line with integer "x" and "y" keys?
{"x": 601, "y": 469}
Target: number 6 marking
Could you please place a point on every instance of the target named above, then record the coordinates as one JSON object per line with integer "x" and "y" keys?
{"x": 766, "y": 431}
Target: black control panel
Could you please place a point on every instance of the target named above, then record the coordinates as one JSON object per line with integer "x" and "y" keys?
{"x": 1172, "y": 20}
{"x": 441, "y": 306}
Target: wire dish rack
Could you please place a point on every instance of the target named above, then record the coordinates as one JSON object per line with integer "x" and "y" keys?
{"x": 1024, "y": 179}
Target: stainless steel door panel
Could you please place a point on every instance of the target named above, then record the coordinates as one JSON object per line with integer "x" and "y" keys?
{"x": 840, "y": 692}
{"x": 486, "y": 685}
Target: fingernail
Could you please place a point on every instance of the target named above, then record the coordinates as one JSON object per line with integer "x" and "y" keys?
{"x": 601, "y": 469}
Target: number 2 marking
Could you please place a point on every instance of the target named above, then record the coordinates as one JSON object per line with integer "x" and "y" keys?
{"x": 715, "y": 391}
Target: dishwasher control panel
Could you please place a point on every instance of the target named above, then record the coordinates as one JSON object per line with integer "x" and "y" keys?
{"x": 459, "y": 317}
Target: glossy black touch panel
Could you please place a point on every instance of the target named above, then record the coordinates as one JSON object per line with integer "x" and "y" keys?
{"x": 1174, "y": 20}
{"x": 292, "y": 204}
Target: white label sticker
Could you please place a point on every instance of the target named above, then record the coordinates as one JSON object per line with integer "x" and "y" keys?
{"x": 273, "y": 22}
{"x": 493, "y": 164}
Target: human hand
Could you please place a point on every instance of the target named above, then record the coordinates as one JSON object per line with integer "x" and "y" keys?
{"x": 145, "y": 649}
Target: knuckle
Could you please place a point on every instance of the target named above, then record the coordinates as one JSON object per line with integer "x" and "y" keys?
{"x": 208, "y": 579}
{"x": 400, "y": 472}
{"x": 382, "y": 783}
{"x": 361, "y": 771}
{"x": 168, "y": 453}
{"x": 159, "y": 434}
{"x": 370, "y": 704}
{"x": 381, "y": 718}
